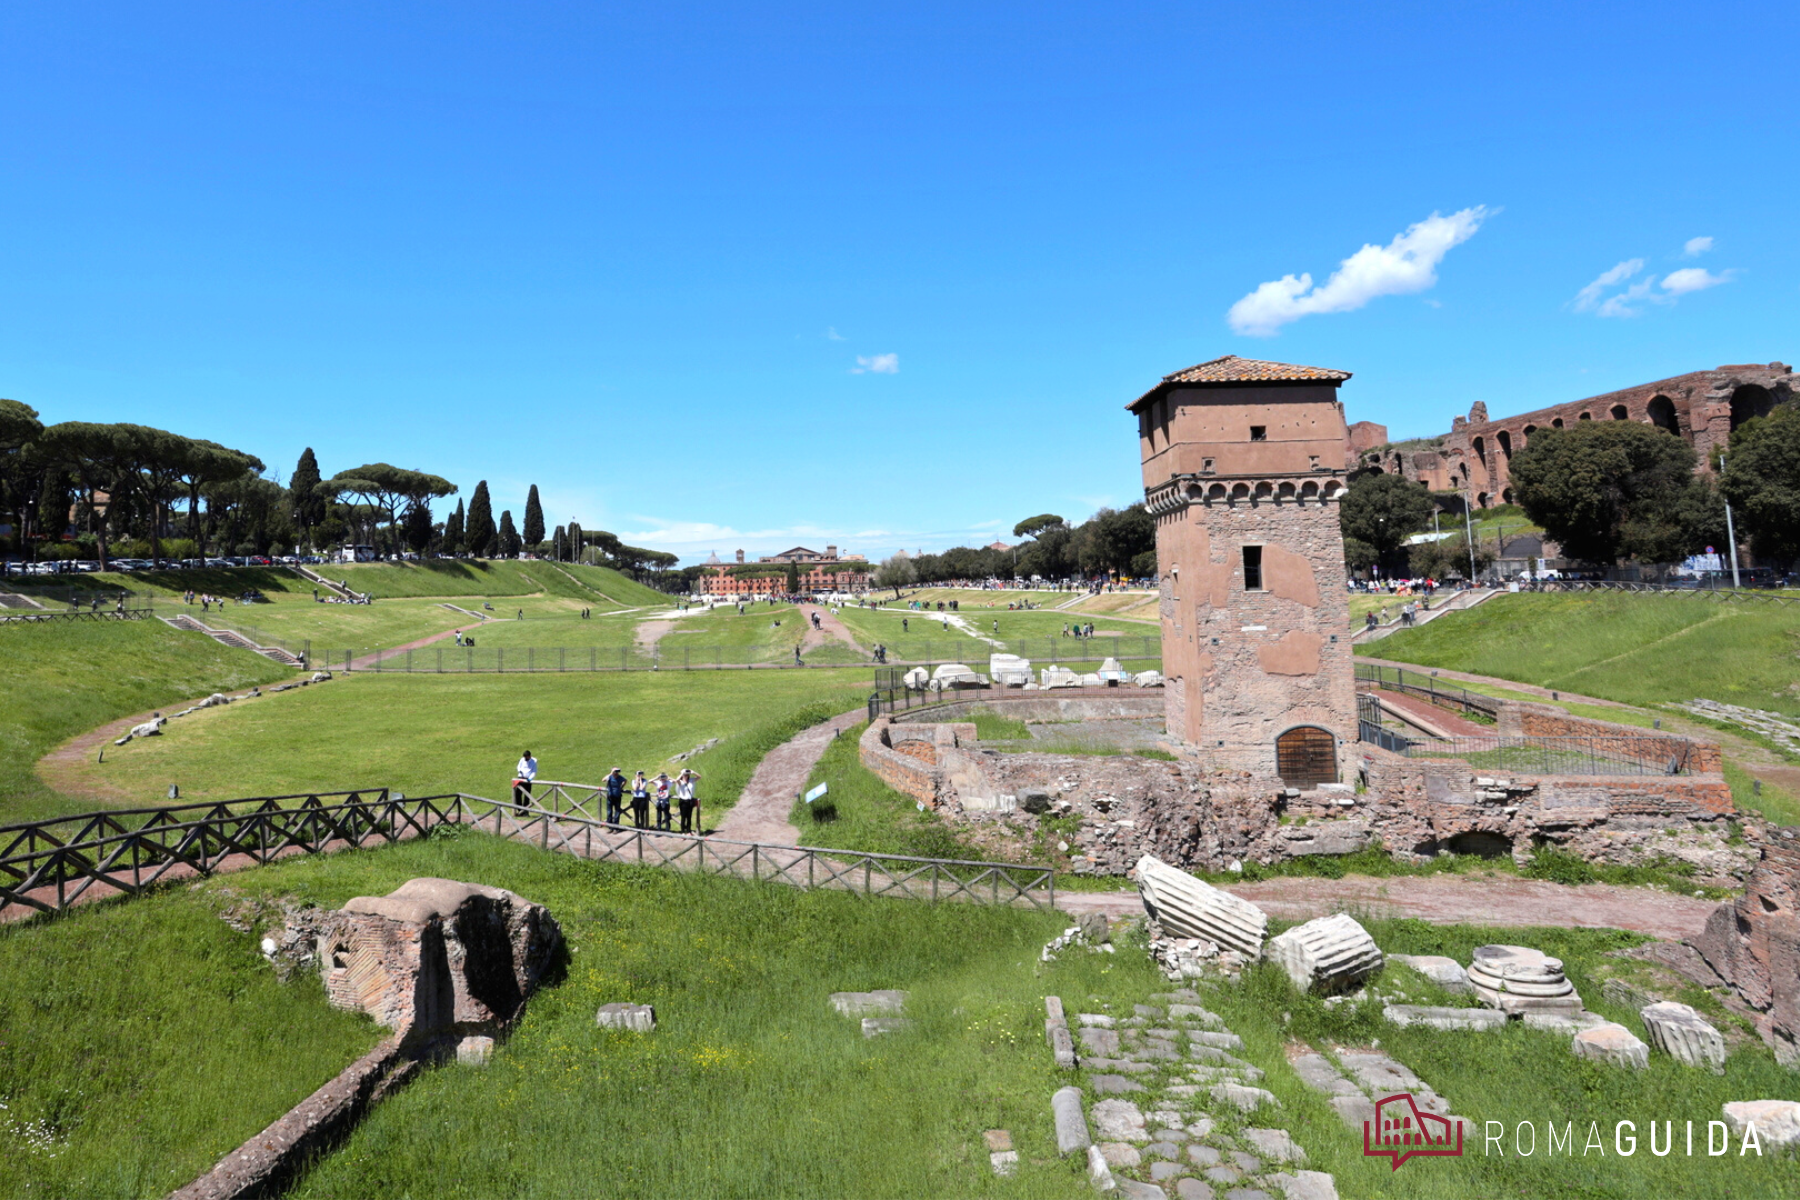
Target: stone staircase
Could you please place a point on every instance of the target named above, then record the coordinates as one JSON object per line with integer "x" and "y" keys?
{"x": 231, "y": 637}
{"x": 1456, "y": 603}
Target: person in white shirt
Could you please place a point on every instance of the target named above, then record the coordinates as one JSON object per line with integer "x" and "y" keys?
{"x": 684, "y": 797}
{"x": 523, "y": 775}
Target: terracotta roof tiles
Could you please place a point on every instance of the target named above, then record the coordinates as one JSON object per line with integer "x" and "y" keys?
{"x": 1232, "y": 369}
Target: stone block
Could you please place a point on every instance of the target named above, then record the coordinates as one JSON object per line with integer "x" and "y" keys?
{"x": 1440, "y": 1017}
{"x": 1188, "y": 908}
{"x": 1241, "y": 1096}
{"x": 1517, "y": 979}
{"x": 876, "y": 1026}
{"x": 1053, "y": 1008}
{"x": 475, "y": 1051}
{"x": 1094, "y": 1021}
{"x": 1562, "y": 1022}
{"x": 1162, "y": 1172}
{"x": 1447, "y": 973}
{"x": 1305, "y": 1185}
{"x": 1099, "y": 1173}
{"x": 1193, "y": 1189}
{"x": 1275, "y": 1144}
{"x": 1009, "y": 670}
{"x": 1062, "y": 1046}
{"x": 1120, "y": 1154}
{"x": 1777, "y": 1122}
{"x": 1070, "y": 1120}
{"x": 1133, "y": 1189}
{"x": 885, "y": 1003}
{"x": 1612, "y": 1044}
{"x": 1327, "y": 955}
{"x": 1100, "y": 1041}
{"x": 635, "y": 1018}
{"x": 1684, "y": 1035}
{"x": 998, "y": 1139}
{"x": 1218, "y": 1041}
{"x": 1193, "y": 1012}
{"x": 1004, "y": 1162}
{"x": 1119, "y": 1121}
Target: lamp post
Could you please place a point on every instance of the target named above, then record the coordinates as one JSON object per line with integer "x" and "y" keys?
{"x": 1730, "y": 531}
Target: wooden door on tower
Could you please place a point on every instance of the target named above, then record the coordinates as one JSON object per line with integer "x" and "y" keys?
{"x": 1306, "y": 756}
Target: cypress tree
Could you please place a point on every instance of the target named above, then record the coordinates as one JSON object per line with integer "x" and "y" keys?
{"x": 453, "y": 531}
{"x": 534, "y": 520}
{"x": 304, "y": 499}
{"x": 574, "y": 542}
{"x": 508, "y": 537}
{"x": 793, "y": 579}
{"x": 559, "y": 545}
{"x": 478, "y": 526}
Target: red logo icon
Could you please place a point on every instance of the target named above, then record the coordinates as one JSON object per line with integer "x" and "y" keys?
{"x": 1401, "y": 1132}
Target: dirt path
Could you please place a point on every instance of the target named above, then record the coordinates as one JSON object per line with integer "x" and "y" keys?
{"x": 1429, "y": 714}
{"x": 761, "y": 813}
{"x": 648, "y": 633}
{"x": 370, "y": 659}
{"x": 1453, "y": 900}
{"x": 833, "y": 629}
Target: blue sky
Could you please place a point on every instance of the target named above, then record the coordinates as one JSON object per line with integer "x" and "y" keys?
{"x": 878, "y": 275}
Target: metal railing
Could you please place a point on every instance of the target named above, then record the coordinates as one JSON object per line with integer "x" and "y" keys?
{"x": 1427, "y": 687}
{"x": 25, "y": 603}
{"x": 49, "y": 866}
{"x": 293, "y": 651}
{"x": 1708, "y": 589}
{"x": 484, "y": 659}
{"x": 1544, "y": 755}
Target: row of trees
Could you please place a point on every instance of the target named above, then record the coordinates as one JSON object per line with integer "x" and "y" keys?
{"x": 1112, "y": 542}
{"x": 1606, "y": 492}
{"x": 178, "y": 497}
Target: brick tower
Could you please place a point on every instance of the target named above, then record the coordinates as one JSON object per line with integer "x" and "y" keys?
{"x": 1244, "y": 462}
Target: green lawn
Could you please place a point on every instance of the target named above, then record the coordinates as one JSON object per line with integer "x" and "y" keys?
{"x": 485, "y": 578}
{"x": 860, "y": 812}
{"x": 428, "y": 734}
{"x": 751, "y": 1085}
{"x": 1644, "y": 650}
{"x": 61, "y": 679}
{"x": 141, "y": 1041}
{"x": 922, "y": 637}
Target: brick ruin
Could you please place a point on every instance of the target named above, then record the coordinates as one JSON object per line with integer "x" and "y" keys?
{"x": 1753, "y": 943}
{"x": 1475, "y": 457}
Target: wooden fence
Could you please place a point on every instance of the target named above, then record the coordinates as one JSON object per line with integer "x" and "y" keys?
{"x": 49, "y": 866}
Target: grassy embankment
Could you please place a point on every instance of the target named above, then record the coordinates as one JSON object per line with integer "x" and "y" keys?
{"x": 923, "y": 637}
{"x": 59, "y": 680}
{"x": 761, "y": 634}
{"x": 425, "y": 735}
{"x": 1646, "y": 651}
{"x": 141, "y": 1041}
{"x": 751, "y": 1085}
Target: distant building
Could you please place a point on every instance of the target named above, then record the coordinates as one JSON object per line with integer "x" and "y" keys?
{"x": 1475, "y": 457}
{"x": 827, "y": 572}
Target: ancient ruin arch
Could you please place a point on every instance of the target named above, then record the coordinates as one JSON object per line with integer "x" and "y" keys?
{"x": 1504, "y": 440}
{"x": 1215, "y": 492}
{"x": 1332, "y": 490}
{"x": 1481, "y": 501}
{"x": 1587, "y": 416}
{"x": 1309, "y": 491}
{"x": 1529, "y": 430}
{"x": 1265, "y": 491}
{"x": 1481, "y": 450}
{"x": 1240, "y": 492}
{"x": 1284, "y": 493}
{"x": 1557, "y": 423}
{"x": 1750, "y": 401}
{"x": 1620, "y": 412}
{"x": 1506, "y": 496}
{"x": 1661, "y": 411}
{"x": 1306, "y": 756}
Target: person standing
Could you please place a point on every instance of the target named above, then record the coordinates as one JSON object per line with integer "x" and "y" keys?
{"x": 523, "y": 775}
{"x": 615, "y": 795}
{"x": 640, "y": 801}
{"x": 662, "y": 800}
{"x": 690, "y": 804}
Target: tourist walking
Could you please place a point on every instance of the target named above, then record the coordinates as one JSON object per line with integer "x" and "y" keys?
{"x": 662, "y": 800}
{"x": 615, "y": 795}
{"x": 640, "y": 801}
{"x": 689, "y": 803}
{"x": 523, "y": 775}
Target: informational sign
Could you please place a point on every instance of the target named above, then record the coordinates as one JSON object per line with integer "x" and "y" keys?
{"x": 816, "y": 792}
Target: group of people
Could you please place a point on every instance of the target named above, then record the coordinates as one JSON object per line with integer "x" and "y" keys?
{"x": 682, "y": 792}
{"x": 1079, "y": 631}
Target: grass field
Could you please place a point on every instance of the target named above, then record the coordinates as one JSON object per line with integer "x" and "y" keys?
{"x": 751, "y": 1086}
{"x": 141, "y": 1041}
{"x": 1643, "y": 650}
{"x": 425, "y": 735}
{"x": 860, "y": 812}
{"x": 972, "y": 598}
{"x": 492, "y": 578}
{"x": 922, "y": 636}
{"x": 58, "y": 680}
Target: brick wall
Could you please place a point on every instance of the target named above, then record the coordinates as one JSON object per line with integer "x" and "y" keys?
{"x": 902, "y": 772}
{"x": 1517, "y": 719}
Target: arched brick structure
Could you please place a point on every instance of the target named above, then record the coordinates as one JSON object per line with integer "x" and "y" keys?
{"x": 1702, "y": 408}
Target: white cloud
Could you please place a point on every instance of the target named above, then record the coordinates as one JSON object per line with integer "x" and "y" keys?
{"x": 1695, "y": 247}
{"x": 1648, "y": 290}
{"x": 1693, "y": 279}
{"x": 1406, "y": 264}
{"x": 876, "y": 364}
{"x": 832, "y": 335}
{"x": 1589, "y": 296}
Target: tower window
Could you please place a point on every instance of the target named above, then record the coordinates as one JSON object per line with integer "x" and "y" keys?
{"x": 1253, "y": 568}
{"x": 1259, "y": 433}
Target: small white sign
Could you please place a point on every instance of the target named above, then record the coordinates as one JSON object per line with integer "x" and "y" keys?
{"x": 816, "y": 792}
{"x": 1254, "y": 629}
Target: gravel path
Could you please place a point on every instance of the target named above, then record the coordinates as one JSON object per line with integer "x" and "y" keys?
{"x": 832, "y": 629}
{"x": 761, "y": 813}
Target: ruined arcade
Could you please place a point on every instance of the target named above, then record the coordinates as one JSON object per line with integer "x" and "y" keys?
{"x": 1244, "y": 461}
